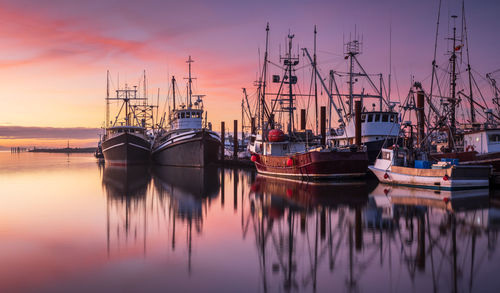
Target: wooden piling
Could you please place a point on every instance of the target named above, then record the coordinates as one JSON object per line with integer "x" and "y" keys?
{"x": 323, "y": 125}
{"x": 357, "y": 109}
{"x": 235, "y": 140}
{"x": 302, "y": 119}
{"x": 420, "y": 118}
{"x": 222, "y": 138}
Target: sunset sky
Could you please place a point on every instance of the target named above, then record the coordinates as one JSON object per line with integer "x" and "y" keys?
{"x": 54, "y": 54}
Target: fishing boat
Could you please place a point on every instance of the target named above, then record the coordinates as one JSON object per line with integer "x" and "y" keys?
{"x": 126, "y": 141}
{"x": 186, "y": 141}
{"x": 396, "y": 167}
{"x": 298, "y": 154}
{"x": 380, "y": 123}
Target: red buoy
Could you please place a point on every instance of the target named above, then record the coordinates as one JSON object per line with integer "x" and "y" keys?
{"x": 276, "y": 135}
{"x": 386, "y": 176}
{"x": 446, "y": 199}
{"x": 289, "y": 162}
{"x": 253, "y": 158}
{"x": 445, "y": 177}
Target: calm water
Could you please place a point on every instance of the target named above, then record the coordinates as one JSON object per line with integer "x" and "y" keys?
{"x": 68, "y": 224}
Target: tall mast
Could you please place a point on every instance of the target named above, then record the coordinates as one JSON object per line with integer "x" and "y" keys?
{"x": 107, "y": 100}
{"x": 290, "y": 86}
{"x": 173, "y": 91}
{"x": 145, "y": 93}
{"x": 471, "y": 97}
{"x": 352, "y": 49}
{"x": 453, "y": 83}
{"x": 190, "y": 80}
{"x": 315, "y": 82}
{"x": 263, "y": 79}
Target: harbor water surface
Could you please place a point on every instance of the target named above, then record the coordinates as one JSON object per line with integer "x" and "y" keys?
{"x": 71, "y": 224}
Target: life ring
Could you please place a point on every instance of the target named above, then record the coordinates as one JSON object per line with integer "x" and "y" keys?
{"x": 470, "y": 148}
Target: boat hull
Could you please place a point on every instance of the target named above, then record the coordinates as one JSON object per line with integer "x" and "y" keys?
{"x": 314, "y": 165}
{"x": 126, "y": 149}
{"x": 454, "y": 178}
{"x": 190, "y": 149}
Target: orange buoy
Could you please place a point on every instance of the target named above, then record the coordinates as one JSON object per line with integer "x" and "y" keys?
{"x": 253, "y": 158}
{"x": 289, "y": 162}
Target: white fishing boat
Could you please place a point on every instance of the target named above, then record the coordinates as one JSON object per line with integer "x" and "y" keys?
{"x": 395, "y": 167}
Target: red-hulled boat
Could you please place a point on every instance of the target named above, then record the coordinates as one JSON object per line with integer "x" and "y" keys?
{"x": 282, "y": 157}
{"x": 299, "y": 155}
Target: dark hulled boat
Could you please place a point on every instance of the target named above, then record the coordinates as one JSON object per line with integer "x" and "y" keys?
{"x": 186, "y": 142}
{"x": 125, "y": 142}
{"x": 124, "y": 145}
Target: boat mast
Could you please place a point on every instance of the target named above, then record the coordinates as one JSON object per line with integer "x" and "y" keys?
{"x": 263, "y": 80}
{"x": 190, "y": 80}
{"x": 471, "y": 97}
{"x": 107, "y": 99}
{"x": 173, "y": 91}
{"x": 315, "y": 81}
{"x": 288, "y": 62}
{"x": 453, "y": 83}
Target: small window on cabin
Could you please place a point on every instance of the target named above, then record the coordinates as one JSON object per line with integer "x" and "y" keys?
{"x": 188, "y": 114}
{"x": 385, "y": 118}
{"x": 393, "y": 118}
{"x": 494, "y": 137}
{"x": 178, "y": 115}
{"x": 363, "y": 118}
{"x": 198, "y": 115}
{"x": 370, "y": 118}
{"x": 377, "y": 118}
{"x": 119, "y": 130}
{"x": 183, "y": 115}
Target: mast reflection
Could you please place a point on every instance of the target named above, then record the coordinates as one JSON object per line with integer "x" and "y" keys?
{"x": 126, "y": 189}
{"x": 355, "y": 232}
{"x": 188, "y": 192}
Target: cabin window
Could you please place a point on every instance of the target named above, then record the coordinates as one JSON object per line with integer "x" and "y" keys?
{"x": 385, "y": 118}
{"x": 285, "y": 147}
{"x": 178, "y": 115}
{"x": 393, "y": 118}
{"x": 119, "y": 130}
{"x": 370, "y": 118}
{"x": 183, "y": 115}
{"x": 197, "y": 115}
{"x": 386, "y": 155}
{"x": 188, "y": 114}
{"x": 494, "y": 137}
{"x": 363, "y": 118}
{"x": 377, "y": 117}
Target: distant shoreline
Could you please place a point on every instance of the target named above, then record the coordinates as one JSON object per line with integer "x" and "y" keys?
{"x": 64, "y": 150}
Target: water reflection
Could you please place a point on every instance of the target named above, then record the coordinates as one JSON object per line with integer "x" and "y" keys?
{"x": 386, "y": 238}
{"x": 303, "y": 236}
{"x": 189, "y": 192}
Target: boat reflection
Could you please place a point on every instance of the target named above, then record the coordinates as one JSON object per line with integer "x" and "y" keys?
{"x": 125, "y": 188}
{"x": 300, "y": 226}
{"x": 188, "y": 192}
{"x": 364, "y": 238}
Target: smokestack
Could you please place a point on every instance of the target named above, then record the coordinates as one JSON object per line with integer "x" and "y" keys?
{"x": 420, "y": 117}
{"x": 357, "y": 109}
{"x": 323, "y": 125}
{"x": 302, "y": 119}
